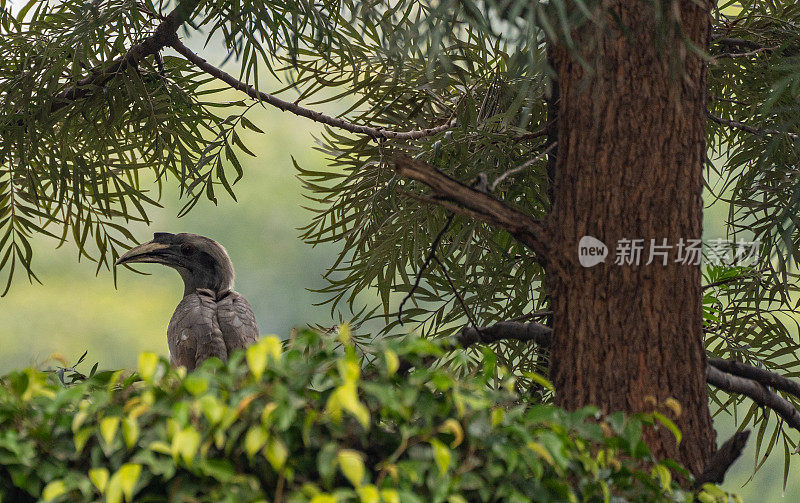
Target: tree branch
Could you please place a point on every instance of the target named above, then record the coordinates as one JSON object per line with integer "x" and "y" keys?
{"x": 487, "y": 209}
{"x": 505, "y": 330}
{"x": 722, "y": 460}
{"x": 761, "y": 376}
{"x": 287, "y": 106}
{"x": 757, "y": 392}
{"x": 164, "y": 33}
{"x": 750, "y": 129}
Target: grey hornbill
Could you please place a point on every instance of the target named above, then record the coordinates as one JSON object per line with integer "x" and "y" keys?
{"x": 212, "y": 319}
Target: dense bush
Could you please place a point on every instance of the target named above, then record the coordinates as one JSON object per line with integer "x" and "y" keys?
{"x": 315, "y": 421}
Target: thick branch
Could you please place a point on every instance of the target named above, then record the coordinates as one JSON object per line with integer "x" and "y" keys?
{"x": 722, "y": 460}
{"x": 287, "y": 106}
{"x": 750, "y": 129}
{"x": 525, "y": 229}
{"x": 161, "y": 37}
{"x": 762, "y": 376}
{"x": 757, "y": 392}
{"x": 505, "y": 330}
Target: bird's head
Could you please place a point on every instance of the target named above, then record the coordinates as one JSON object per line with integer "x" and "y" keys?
{"x": 201, "y": 262}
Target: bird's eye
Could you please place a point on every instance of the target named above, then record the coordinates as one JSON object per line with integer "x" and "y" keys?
{"x": 187, "y": 249}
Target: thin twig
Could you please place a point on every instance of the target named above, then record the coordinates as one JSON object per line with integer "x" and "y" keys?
{"x": 745, "y": 54}
{"x": 455, "y": 292}
{"x": 425, "y": 264}
{"x": 750, "y": 129}
{"x": 735, "y": 42}
{"x": 532, "y": 135}
{"x": 294, "y": 108}
{"x": 522, "y": 166}
{"x": 730, "y": 280}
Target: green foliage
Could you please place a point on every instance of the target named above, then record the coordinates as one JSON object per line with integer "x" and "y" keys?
{"x": 311, "y": 422}
{"x": 76, "y": 169}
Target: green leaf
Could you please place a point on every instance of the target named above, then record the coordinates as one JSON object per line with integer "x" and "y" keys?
{"x": 130, "y": 431}
{"x": 108, "y": 428}
{"x": 147, "y": 365}
{"x": 99, "y": 477}
{"x": 255, "y": 439}
{"x": 276, "y": 453}
{"x": 53, "y": 490}
{"x": 352, "y": 466}
{"x": 670, "y": 425}
{"x": 442, "y": 456}
{"x": 258, "y": 353}
{"x": 185, "y": 444}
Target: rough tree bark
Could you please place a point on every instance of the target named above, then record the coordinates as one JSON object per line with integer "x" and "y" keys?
{"x": 631, "y": 143}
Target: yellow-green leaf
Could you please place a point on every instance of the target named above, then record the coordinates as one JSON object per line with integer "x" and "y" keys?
{"x": 390, "y": 496}
{"x": 114, "y": 489}
{"x": 161, "y": 447}
{"x": 254, "y": 440}
{"x": 441, "y": 454}
{"x": 392, "y": 361}
{"x": 345, "y": 335}
{"x": 276, "y": 453}
{"x": 664, "y": 476}
{"x": 99, "y": 477}
{"x": 128, "y": 475}
{"x": 108, "y": 428}
{"x": 195, "y": 385}
{"x": 454, "y": 427}
{"x": 77, "y": 421}
{"x": 212, "y": 409}
{"x": 148, "y": 362}
{"x": 130, "y": 431}
{"x": 533, "y": 376}
{"x": 53, "y": 490}
{"x": 346, "y": 397}
{"x": 498, "y": 414}
{"x": 257, "y": 354}
{"x": 185, "y": 444}
{"x": 323, "y": 498}
{"x": 668, "y": 424}
{"x": 368, "y": 494}
{"x": 541, "y": 451}
{"x": 81, "y": 437}
{"x": 267, "y": 412}
{"x": 352, "y": 466}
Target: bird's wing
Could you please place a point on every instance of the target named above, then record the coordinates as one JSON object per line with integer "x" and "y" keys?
{"x": 237, "y": 321}
{"x": 194, "y": 333}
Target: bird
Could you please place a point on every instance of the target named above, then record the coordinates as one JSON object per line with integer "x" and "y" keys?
{"x": 212, "y": 320}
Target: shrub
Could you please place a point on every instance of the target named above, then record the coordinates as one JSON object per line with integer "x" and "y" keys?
{"x": 315, "y": 421}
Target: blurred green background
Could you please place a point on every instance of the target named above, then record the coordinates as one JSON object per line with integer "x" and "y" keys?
{"x": 75, "y": 310}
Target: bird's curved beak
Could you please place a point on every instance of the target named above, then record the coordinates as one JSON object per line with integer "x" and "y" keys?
{"x": 147, "y": 252}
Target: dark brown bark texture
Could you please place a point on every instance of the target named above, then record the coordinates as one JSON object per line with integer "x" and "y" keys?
{"x": 631, "y": 143}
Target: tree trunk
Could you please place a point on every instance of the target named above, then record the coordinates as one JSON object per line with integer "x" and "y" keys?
{"x": 631, "y": 145}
